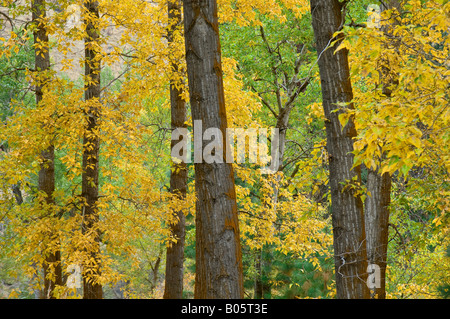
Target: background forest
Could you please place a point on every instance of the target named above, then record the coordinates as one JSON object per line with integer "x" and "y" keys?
{"x": 89, "y": 92}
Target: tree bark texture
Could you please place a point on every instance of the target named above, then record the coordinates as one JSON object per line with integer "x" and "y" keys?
{"x": 350, "y": 256}
{"x": 91, "y": 146}
{"x": 178, "y": 178}
{"x": 46, "y": 182}
{"x": 218, "y": 251}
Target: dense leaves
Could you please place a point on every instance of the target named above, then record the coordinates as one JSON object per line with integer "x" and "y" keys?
{"x": 270, "y": 70}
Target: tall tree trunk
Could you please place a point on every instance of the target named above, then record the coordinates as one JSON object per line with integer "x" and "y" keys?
{"x": 379, "y": 186}
{"x": 91, "y": 146}
{"x": 46, "y": 183}
{"x": 350, "y": 256}
{"x": 218, "y": 251}
{"x": 178, "y": 179}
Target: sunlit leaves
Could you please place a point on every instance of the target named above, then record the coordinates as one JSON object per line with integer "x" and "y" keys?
{"x": 404, "y": 134}
{"x": 400, "y": 75}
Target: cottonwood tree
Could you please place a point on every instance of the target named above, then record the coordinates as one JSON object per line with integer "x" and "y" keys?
{"x": 173, "y": 288}
{"x": 218, "y": 251}
{"x": 349, "y": 240}
{"x": 379, "y": 185}
{"x": 92, "y": 289}
{"x": 46, "y": 183}
{"x": 401, "y": 110}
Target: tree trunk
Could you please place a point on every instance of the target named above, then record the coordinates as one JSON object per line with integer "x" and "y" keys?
{"x": 46, "y": 183}
{"x": 379, "y": 186}
{"x": 92, "y": 289}
{"x": 173, "y": 288}
{"x": 350, "y": 256}
{"x": 258, "y": 286}
{"x": 377, "y": 224}
{"x": 218, "y": 251}
{"x": 263, "y": 265}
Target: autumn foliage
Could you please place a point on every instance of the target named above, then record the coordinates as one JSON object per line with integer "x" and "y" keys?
{"x": 97, "y": 120}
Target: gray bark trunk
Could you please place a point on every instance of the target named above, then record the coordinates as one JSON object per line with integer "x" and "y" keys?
{"x": 350, "y": 256}
{"x": 218, "y": 251}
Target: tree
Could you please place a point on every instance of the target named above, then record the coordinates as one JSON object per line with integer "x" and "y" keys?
{"x": 378, "y": 184}
{"x": 46, "y": 183}
{"x": 92, "y": 289}
{"x": 275, "y": 65}
{"x": 173, "y": 288}
{"x": 283, "y": 85}
{"x": 350, "y": 256}
{"x": 218, "y": 251}
{"x": 401, "y": 110}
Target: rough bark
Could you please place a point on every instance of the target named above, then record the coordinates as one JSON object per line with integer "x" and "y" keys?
{"x": 218, "y": 251}
{"x": 350, "y": 256}
{"x": 178, "y": 178}
{"x": 91, "y": 146}
{"x": 46, "y": 182}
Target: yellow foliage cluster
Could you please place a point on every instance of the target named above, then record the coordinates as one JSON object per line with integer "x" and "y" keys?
{"x": 405, "y": 133}
{"x": 133, "y": 207}
{"x": 407, "y": 128}
{"x": 397, "y": 133}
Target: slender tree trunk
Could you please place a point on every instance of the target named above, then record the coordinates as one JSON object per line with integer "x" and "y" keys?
{"x": 379, "y": 186}
{"x": 377, "y": 224}
{"x": 350, "y": 256}
{"x": 218, "y": 251}
{"x": 258, "y": 286}
{"x": 262, "y": 287}
{"x": 263, "y": 265}
{"x": 91, "y": 146}
{"x": 178, "y": 179}
{"x": 46, "y": 183}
